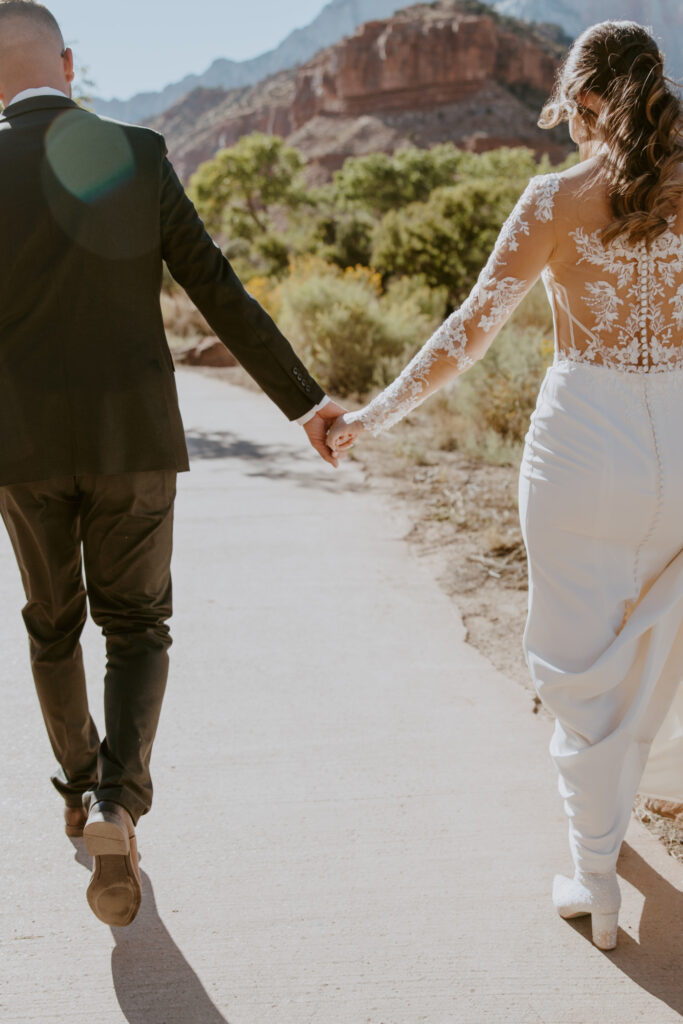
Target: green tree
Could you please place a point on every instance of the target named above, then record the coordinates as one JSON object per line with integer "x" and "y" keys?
{"x": 514, "y": 164}
{"x": 446, "y": 239}
{"x": 342, "y": 237}
{"x": 380, "y": 182}
{"x": 238, "y": 191}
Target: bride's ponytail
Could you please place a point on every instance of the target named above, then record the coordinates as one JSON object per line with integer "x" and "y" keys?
{"x": 639, "y": 124}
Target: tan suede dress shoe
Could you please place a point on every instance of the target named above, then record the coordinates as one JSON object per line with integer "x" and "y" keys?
{"x": 74, "y": 820}
{"x": 115, "y": 890}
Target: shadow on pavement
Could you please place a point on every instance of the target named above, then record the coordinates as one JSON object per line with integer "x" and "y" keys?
{"x": 272, "y": 462}
{"x": 153, "y": 981}
{"x": 654, "y": 961}
{"x": 225, "y": 445}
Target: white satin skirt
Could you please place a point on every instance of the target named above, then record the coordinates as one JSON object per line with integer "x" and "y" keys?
{"x": 601, "y": 508}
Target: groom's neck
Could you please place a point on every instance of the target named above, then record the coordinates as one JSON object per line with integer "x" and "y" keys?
{"x": 35, "y": 82}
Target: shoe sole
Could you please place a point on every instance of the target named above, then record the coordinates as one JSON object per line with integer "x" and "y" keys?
{"x": 114, "y": 893}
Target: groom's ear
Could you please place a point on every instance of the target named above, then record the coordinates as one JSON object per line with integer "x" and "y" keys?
{"x": 68, "y": 61}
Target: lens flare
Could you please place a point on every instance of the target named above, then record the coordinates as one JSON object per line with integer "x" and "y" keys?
{"x": 90, "y": 158}
{"x": 93, "y": 185}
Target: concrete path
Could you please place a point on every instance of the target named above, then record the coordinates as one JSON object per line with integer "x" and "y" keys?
{"x": 356, "y": 819}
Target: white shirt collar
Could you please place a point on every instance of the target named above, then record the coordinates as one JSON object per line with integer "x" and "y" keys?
{"x": 29, "y": 94}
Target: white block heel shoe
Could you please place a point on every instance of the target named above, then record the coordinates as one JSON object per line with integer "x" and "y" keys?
{"x": 597, "y": 895}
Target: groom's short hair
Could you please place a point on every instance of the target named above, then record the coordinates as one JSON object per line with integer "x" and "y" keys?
{"x": 33, "y": 14}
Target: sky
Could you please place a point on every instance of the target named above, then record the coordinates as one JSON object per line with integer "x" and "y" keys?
{"x": 132, "y": 46}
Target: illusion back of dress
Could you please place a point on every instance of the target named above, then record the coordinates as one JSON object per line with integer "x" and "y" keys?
{"x": 616, "y": 305}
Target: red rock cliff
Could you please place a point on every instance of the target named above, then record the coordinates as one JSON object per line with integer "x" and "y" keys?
{"x": 418, "y": 60}
{"x": 432, "y": 73}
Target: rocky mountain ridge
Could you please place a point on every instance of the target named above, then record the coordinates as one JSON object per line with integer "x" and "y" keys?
{"x": 341, "y": 17}
{"x": 337, "y": 19}
{"x": 445, "y": 71}
{"x": 664, "y": 17}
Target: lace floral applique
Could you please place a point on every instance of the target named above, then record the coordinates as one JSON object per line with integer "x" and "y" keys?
{"x": 492, "y": 300}
{"x": 507, "y": 296}
{"x": 405, "y": 393}
{"x": 677, "y": 303}
{"x": 643, "y": 337}
{"x": 546, "y": 187}
{"x": 614, "y": 258}
{"x": 604, "y": 301}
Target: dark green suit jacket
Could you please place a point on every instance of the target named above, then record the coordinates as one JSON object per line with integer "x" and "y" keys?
{"x": 88, "y": 210}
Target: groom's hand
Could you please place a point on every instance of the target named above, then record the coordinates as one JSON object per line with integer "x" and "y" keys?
{"x": 317, "y": 428}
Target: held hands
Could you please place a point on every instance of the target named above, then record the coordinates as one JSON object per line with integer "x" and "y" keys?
{"x": 317, "y": 430}
{"x": 342, "y": 435}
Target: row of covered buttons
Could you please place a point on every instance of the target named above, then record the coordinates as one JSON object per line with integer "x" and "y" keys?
{"x": 306, "y": 385}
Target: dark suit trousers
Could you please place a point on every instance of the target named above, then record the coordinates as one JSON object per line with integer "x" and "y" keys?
{"x": 118, "y": 532}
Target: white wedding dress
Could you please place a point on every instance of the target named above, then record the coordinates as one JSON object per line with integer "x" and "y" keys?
{"x": 601, "y": 492}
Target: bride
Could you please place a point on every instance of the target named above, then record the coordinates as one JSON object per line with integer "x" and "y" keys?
{"x": 601, "y": 482}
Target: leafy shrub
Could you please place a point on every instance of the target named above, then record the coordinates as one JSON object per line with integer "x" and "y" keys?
{"x": 492, "y": 402}
{"x": 350, "y": 334}
{"x": 514, "y": 164}
{"x": 410, "y": 293}
{"x": 447, "y": 239}
{"x": 426, "y": 220}
{"x": 271, "y": 251}
{"x": 380, "y": 182}
{"x": 343, "y": 237}
{"x": 267, "y": 294}
{"x": 237, "y": 191}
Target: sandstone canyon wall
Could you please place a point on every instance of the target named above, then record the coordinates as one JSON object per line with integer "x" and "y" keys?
{"x": 420, "y": 59}
{"x": 431, "y": 73}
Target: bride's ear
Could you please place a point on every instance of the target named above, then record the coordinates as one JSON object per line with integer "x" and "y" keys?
{"x": 590, "y": 104}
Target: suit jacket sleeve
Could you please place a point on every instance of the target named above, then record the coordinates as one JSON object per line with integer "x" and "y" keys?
{"x": 199, "y": 266}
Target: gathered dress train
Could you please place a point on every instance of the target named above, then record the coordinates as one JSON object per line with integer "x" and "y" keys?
{"x": 601, "y": 500}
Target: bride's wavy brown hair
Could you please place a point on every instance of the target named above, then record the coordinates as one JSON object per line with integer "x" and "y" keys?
{"x": 640, "y": 123}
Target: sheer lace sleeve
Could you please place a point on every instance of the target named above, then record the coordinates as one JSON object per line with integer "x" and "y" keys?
{"x": 522, "y": 250}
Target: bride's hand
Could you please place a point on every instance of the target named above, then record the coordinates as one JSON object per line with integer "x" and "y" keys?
{"x": 342, "y": 435}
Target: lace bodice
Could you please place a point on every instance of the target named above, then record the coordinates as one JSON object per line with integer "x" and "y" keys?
{"x": 636, "y": 308}
{"x": 619, "y": 305}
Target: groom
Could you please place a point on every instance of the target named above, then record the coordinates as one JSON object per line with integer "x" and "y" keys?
{"x": 91, "y": 437}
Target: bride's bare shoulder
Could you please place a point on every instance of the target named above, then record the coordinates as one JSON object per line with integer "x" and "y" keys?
{"x": 581, "y": 195}
{"x": 582, "y": 176}
{"x": 579, "y": 176}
